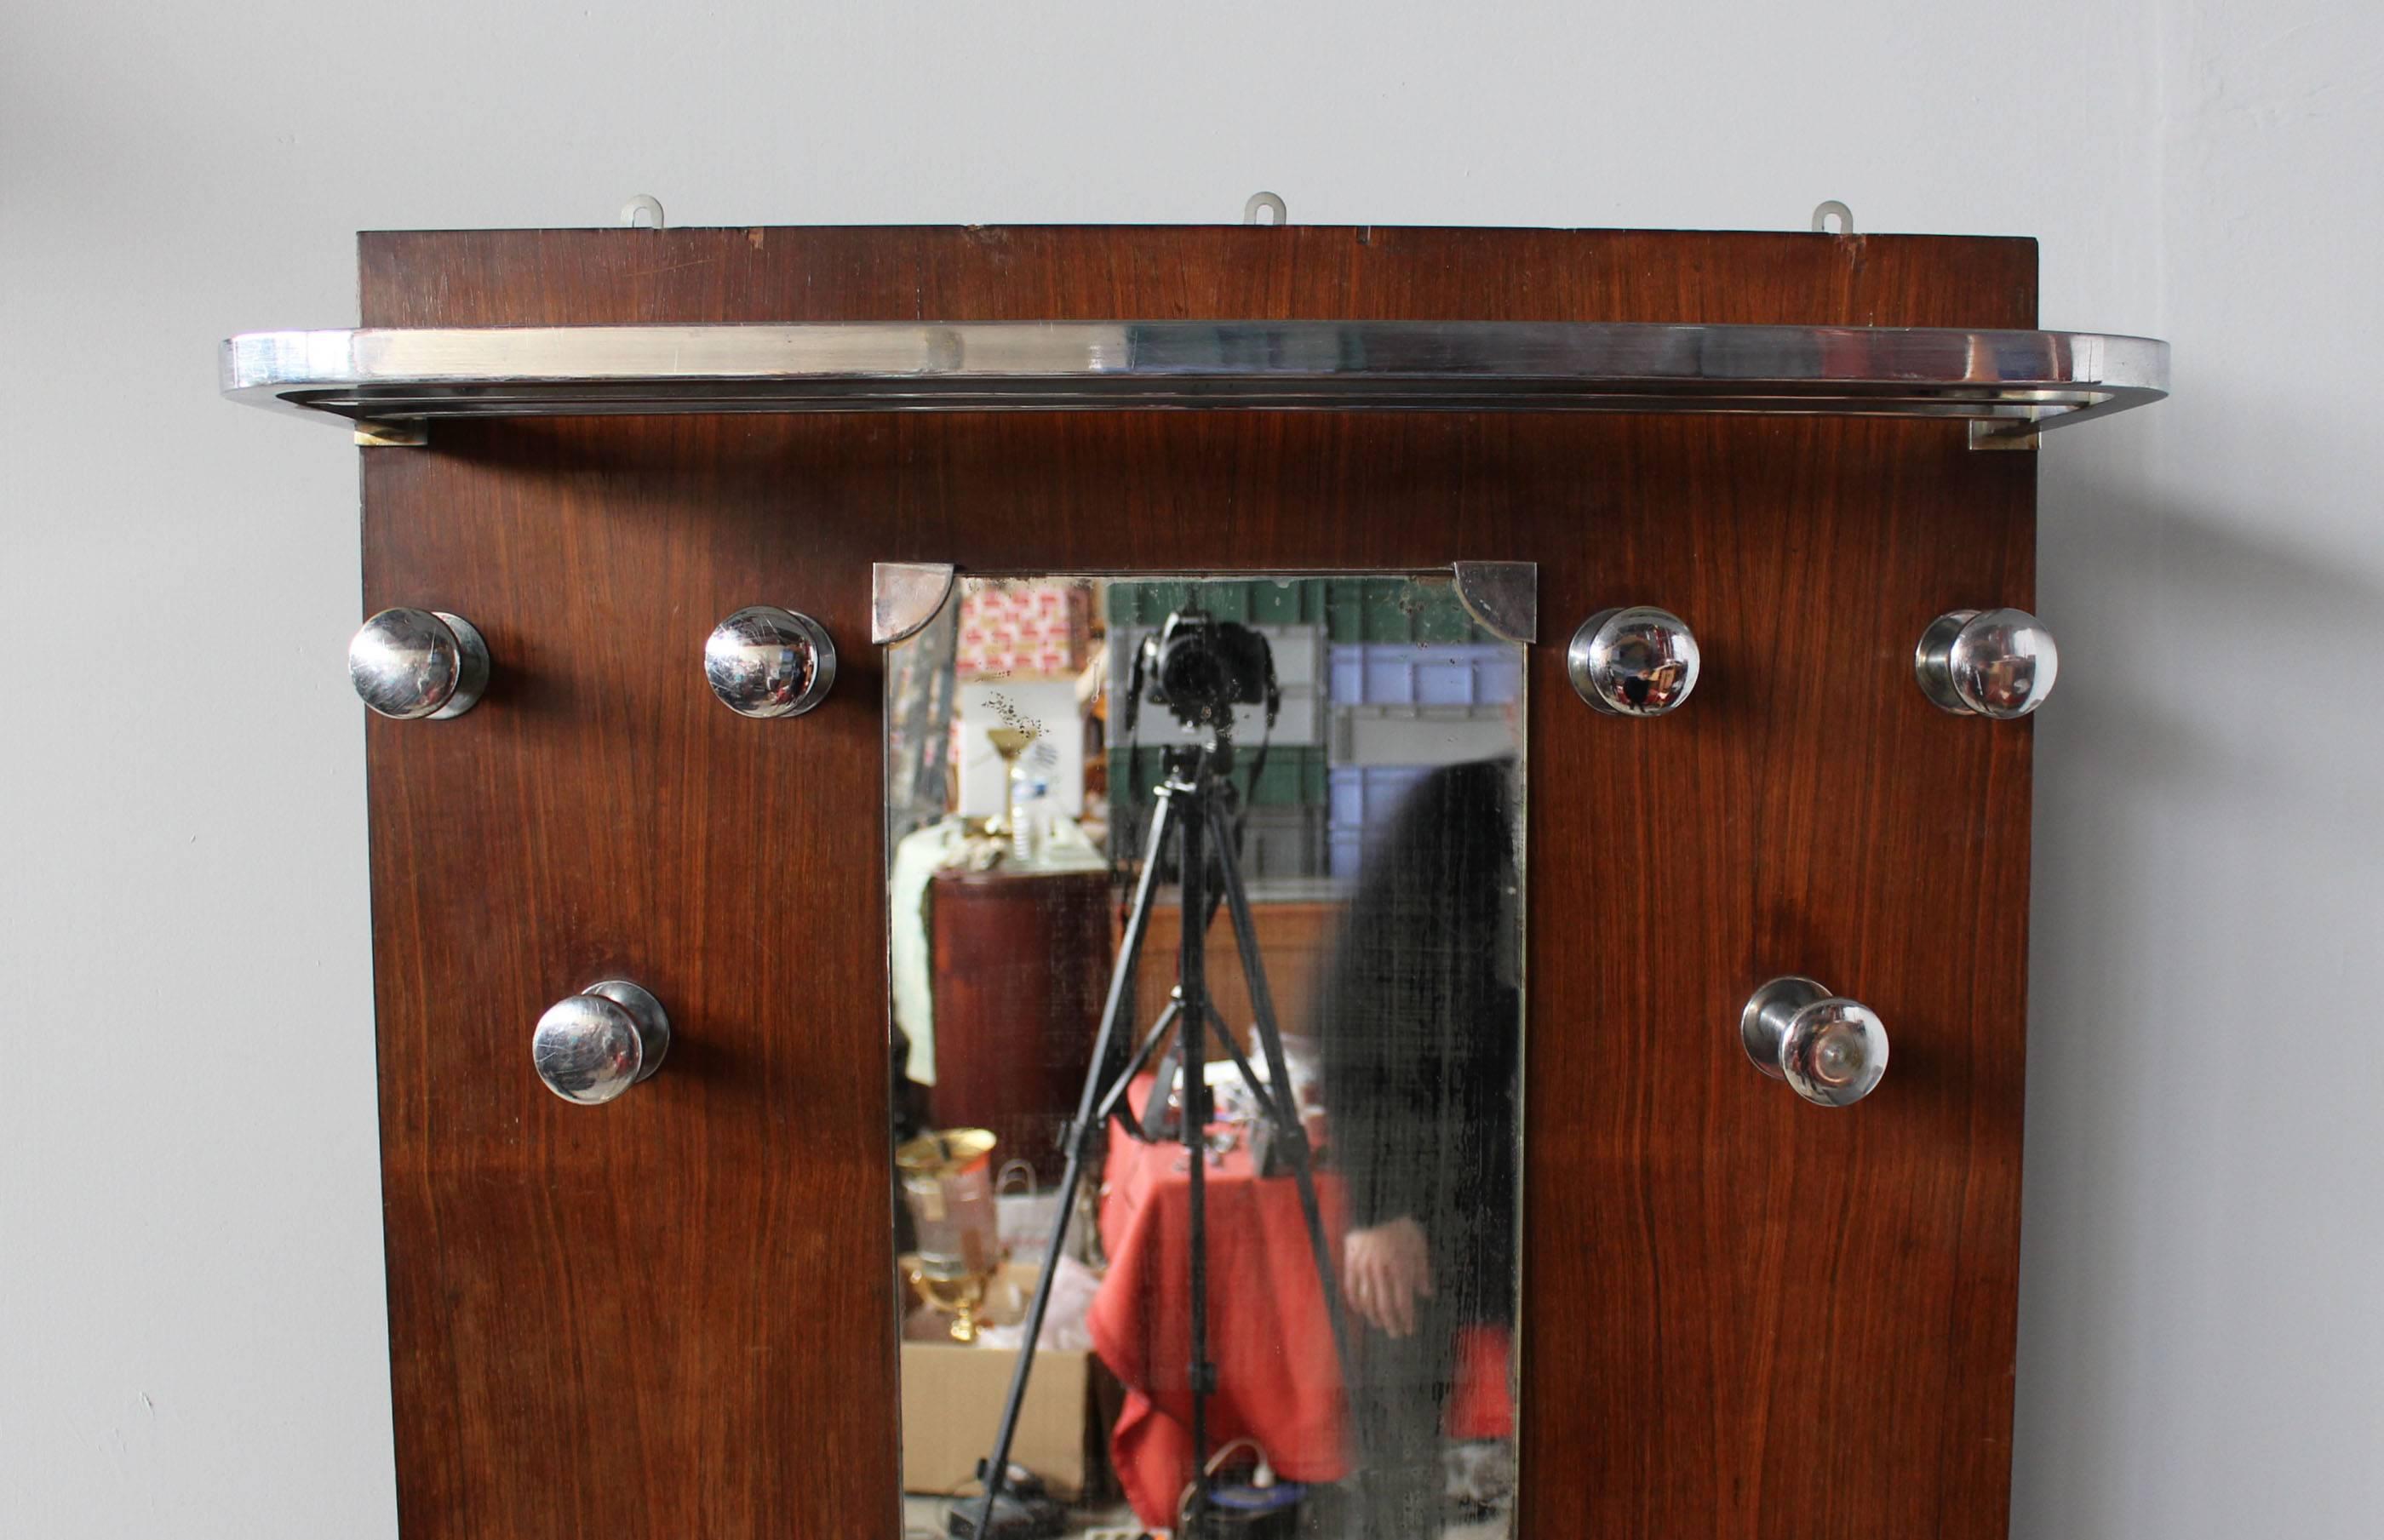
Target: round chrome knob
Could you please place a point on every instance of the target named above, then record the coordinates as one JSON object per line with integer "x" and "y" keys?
{"x": 1830, "y": 1049}
{"x": 418, "y": 665}
{"x": 599, "y": 1042}
{"x": 1633, "y": 662}
{"x": 1987, "y": 663}
{"x": 763, "y": 661}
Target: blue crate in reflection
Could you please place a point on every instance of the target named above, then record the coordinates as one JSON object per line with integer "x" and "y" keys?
{"x": 1364, "y": 798}
{"x": 1406, "y": 674}
{"x": 1400, "y": 709}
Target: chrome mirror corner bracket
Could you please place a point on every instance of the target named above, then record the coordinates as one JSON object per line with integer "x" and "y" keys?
{"x": 1502, "y": 597}
{"x": 904, "y": 596}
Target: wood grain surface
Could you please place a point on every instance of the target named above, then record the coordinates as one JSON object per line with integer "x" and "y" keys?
{"x": 668, "y": 1318}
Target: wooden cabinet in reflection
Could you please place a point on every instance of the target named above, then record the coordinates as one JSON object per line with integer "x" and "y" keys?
{"x": 1020, "y": 966}
{"x": 1295, "y": 941}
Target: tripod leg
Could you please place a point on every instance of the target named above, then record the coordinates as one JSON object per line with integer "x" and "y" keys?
{"x": 1289, "y": 1129}
{"x": 1083, "y": 1135}
{"x": 1194, "y": 1100}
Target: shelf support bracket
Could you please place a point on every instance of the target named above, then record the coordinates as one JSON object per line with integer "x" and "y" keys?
{"x": 372, "y": 433}
{"x": 2003, "y": 436}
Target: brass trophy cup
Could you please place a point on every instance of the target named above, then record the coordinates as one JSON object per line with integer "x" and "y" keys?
{"x": 1009, "y": 743}
{"x": 948, "y": 1185}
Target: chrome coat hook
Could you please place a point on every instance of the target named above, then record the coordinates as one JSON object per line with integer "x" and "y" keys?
{"x": 418, "y": 665}
{"x": 765, "y": 661}
{"x": 1998, "y": 664}
{"x": 602, "y": 1041}
{"x": 1637, "y": 660}
{"x": 1830, "y": 1049}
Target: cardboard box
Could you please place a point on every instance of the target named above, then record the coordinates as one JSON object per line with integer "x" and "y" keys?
{"x": 951, "y": 1405}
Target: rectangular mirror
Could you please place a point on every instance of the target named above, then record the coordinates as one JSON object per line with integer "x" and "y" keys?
{"x": 1206, "y": 1226}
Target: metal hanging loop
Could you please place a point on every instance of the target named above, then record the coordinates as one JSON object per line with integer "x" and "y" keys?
{"x": 645, "y": 209}
{"x": 1824, "y": 212}
{"x": 1264, "y": 200}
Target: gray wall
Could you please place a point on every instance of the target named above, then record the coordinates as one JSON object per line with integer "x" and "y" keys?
{"x": 191, "y": 1315}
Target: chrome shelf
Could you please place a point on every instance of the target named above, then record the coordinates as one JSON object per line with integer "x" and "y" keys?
{"x": 2013, "y": 383}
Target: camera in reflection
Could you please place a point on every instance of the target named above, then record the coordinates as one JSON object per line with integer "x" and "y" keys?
{"x": 1200, "y": 668}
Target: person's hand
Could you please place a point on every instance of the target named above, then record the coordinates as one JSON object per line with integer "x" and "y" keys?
{"x": 1383, "y": 1270}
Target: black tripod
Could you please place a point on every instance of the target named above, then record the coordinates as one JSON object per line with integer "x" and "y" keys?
{"x": 1188, "y": 804}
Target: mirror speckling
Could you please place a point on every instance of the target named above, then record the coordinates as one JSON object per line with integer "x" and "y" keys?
{"x": 1205, "y": 1228}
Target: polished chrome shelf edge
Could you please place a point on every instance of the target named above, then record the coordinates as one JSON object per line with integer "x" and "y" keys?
{"x": 2030, "y": 380}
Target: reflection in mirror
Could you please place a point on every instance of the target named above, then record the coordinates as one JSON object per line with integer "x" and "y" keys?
{"x": 1205, "y": 1225}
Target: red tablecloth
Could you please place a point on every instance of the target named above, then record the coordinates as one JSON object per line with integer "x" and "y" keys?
{"x": 1268, "y": 1335}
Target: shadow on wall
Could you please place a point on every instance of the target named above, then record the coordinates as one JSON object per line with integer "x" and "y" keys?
{"x": 2199, "y": 779}
{"x": 2174, "y": 618}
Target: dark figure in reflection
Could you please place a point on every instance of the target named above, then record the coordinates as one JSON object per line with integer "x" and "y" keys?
{"x": 1420, "y": 1030}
